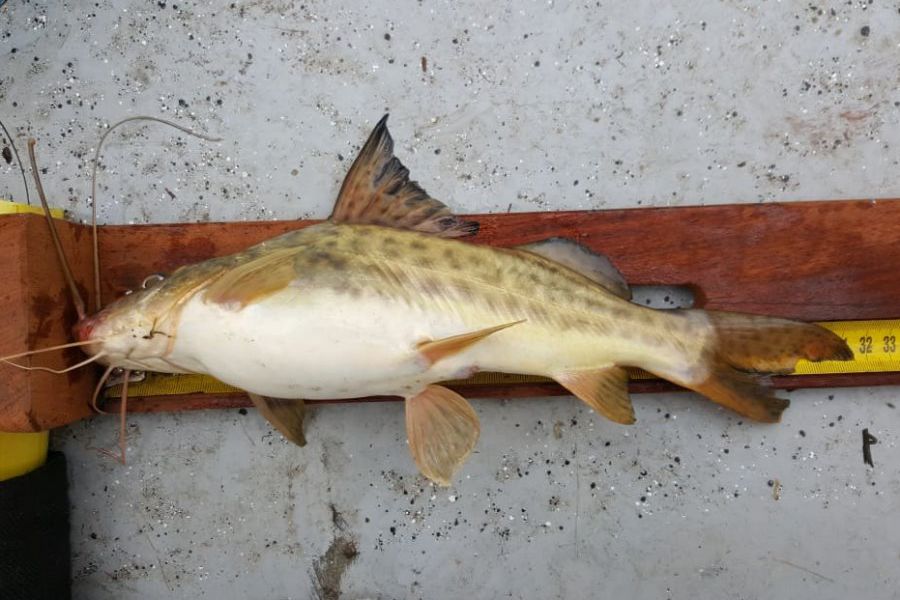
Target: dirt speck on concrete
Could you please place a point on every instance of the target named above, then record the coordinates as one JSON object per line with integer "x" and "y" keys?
{"x": 328, "y": 569}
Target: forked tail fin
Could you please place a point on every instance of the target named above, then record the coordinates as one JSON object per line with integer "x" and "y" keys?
{"x": 746, "y": 344}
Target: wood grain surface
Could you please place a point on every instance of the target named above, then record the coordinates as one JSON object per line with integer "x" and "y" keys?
{"x": 36, "y": 312}
{"x": 822, "y": 260}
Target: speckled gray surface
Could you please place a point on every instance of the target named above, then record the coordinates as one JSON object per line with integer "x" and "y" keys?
{"x": 524, "y": 106}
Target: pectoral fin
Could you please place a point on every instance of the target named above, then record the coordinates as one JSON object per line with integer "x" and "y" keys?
{"x": 285, "y": 415}
{"x": 442, "y": 428}
{"x": 436, "y": 350}
{"x": 605, "y": 390}
{"x": 253, "y": 280}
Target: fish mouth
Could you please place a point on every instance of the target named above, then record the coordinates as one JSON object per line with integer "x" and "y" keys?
{"x": 85, "y": 328}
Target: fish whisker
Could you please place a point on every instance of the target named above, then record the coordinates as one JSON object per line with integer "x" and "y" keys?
{"x": 55, "y": 371}
{"x": 109, "y": 130}
{"x": 50, "y": 349}
{"x": 122, "y": 410}
{"x": 99, "y": 387}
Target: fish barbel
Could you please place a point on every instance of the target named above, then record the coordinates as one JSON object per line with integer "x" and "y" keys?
{"x": 383, "y": 300}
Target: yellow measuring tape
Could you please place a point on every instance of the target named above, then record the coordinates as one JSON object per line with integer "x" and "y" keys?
{"x": 14, "y": 208}
{"x": 875, "y": 348}
{"x": 874, "y": 343}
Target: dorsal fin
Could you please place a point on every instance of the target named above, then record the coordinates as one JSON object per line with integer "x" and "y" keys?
{"x": 378, "y": 191}
{"x": 573, "y": 255}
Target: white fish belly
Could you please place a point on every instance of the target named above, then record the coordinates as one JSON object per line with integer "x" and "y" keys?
{"x": 320, "y": 345}
{"x": 313, "y": 345}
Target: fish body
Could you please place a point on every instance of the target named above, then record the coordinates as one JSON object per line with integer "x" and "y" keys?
{"x": 383, "y": 299}
{"x": 362, "y": 298}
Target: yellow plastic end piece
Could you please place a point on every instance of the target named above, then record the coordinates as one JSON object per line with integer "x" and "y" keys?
{"x": 14, "y": 208}
{"x": 22, "y": 452}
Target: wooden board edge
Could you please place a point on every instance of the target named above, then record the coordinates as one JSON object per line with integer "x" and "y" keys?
{"x": 187, "y": 402}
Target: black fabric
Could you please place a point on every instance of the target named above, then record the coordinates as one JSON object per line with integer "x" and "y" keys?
{"x": 34, "y": 534}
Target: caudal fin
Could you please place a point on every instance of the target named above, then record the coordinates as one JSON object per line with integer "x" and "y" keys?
{"x": 748, "y": 344}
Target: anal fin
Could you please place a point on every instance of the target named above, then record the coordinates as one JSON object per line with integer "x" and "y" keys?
{"x": 285, "y": 415}
{"x": 442, "y": 428}
{"x": 604, "y": 390}
{"x": 434, "y": 351}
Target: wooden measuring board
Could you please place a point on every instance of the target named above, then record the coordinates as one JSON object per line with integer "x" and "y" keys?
{"x": 35, "y": 312}
{"x": 830, "y": 261}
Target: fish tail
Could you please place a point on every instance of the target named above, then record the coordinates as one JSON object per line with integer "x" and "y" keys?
{"x": 741, "y": 347}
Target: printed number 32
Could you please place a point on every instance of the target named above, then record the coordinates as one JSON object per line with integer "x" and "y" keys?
{"x": 865, "y": 344}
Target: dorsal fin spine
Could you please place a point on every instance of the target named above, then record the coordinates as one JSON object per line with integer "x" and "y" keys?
{"x": 378, "y": 191}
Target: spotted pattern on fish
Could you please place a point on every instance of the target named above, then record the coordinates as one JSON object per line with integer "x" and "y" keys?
{"x": 429, "y": 272}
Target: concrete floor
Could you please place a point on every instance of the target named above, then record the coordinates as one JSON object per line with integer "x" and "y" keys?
{"x": 495, "y": 107}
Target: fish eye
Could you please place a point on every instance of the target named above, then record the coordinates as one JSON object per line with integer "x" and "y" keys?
{"x": 152, "y": 280}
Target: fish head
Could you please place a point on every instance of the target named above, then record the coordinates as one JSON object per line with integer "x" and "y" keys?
{"x": 136, "y": 331}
